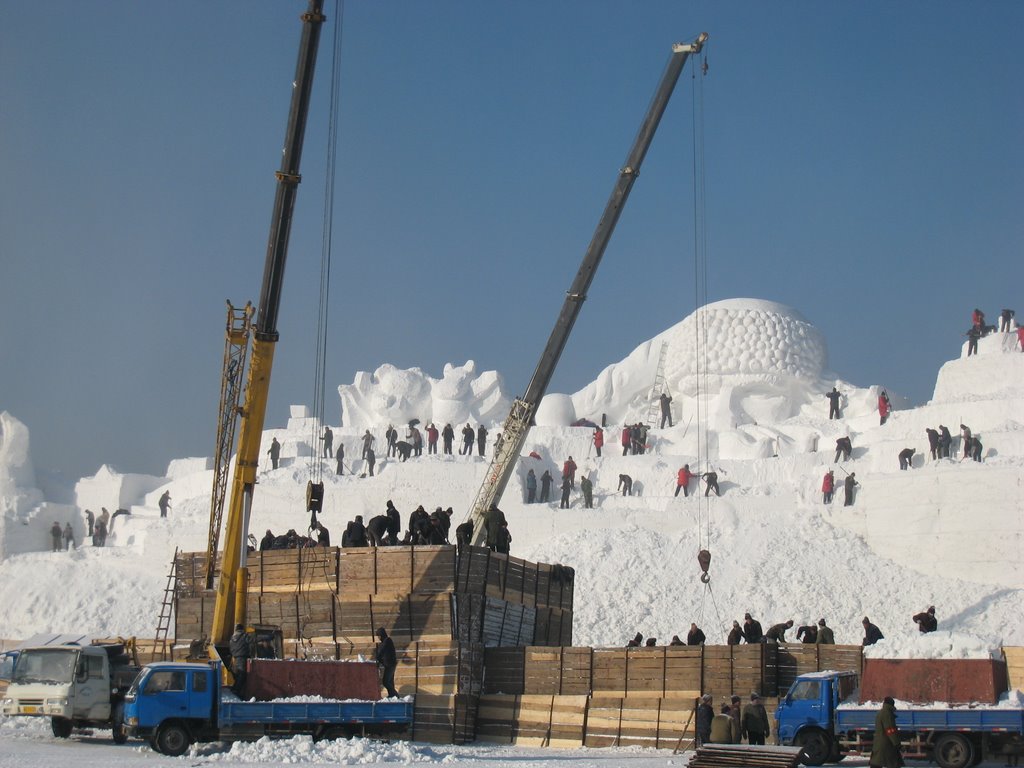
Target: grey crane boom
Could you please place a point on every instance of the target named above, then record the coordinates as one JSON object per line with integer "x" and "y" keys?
{"x": 520, "y": 417}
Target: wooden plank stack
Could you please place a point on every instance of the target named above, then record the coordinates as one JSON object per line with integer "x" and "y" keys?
{"x": 440, "y": 605}
{"x": 532, "y": 720}
{"x": 743, "y": 756}
{"x": 1014, "y": 666}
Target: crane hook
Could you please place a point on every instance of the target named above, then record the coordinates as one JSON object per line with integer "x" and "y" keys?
{"x": 704, "y": 559}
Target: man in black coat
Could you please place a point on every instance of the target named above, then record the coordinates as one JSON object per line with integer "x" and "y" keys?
{"x": 926, "y": 621}
{"x": 933, "y": 442}
{"x": 240, "y": 646}
{"x": 872, "y": 634}
{"x": 545, "y": 486}
{"x": 695, "y": 637}
{"x": 387, "y": 660}
{"x": 848, "y": 485}
{"x": 447, "y": 435}
{"x": 752, "y": 631}
{"x": 844, "y": 448}
{"x": 834, "y": 398}
{"x": 377, "y": 531}
{"x": 394, "y": 523}
{"x": 777, "y": 632}
{"x": 906, "y": 458}
{"x": 705, "y": 714}
{"x": 735, "y": 634}
{"x": 356, "y": 533}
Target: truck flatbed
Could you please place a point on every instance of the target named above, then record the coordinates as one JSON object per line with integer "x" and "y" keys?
{"x": 234, "y": 713}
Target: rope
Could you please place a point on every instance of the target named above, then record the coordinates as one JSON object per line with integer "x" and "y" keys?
{"x": 316, "y": 470}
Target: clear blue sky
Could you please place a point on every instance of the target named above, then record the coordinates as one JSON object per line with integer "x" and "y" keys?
{"x": 863, "y": 164}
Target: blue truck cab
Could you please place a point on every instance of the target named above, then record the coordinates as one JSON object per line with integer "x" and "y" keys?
{"x": 174, "y": 705}
{"x": 813, "y": 716}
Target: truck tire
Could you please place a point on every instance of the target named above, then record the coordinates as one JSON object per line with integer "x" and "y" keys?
{"x": 61, "y": 727}
{"x": 817, "y": 746}
{"x": 172, "y": 740}
{"x": 953, "y": 750}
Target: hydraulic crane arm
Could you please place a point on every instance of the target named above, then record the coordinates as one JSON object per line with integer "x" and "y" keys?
{"x": 231, "y": 588}
{"x": 520, "y": 418}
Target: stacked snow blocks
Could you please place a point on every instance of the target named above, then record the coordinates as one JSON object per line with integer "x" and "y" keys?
{"x": 630, "y": 696}
{"x": 440, "y": 605}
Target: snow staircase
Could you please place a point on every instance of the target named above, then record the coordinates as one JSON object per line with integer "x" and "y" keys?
{"x": 654, "y": 408}
{"x": 163, "y": 623}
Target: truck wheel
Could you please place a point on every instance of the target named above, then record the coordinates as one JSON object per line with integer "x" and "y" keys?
{"x": 817, "y": 746}
{"x": 61, "y": 727}
{"x": 953, "y": 750}
{"x": 172, "y": 740}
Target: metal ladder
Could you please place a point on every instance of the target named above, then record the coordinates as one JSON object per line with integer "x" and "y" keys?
{"x": 654, "y": 409}
{"x": 163, "y": 623}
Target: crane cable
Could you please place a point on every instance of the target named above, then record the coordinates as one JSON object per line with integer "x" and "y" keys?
{"x": 701, "y": 333}
{"x": 320, "y": 374}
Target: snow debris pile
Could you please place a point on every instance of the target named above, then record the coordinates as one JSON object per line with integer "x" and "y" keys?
{"x": 945, "y": 532}
{"x": 302, "y": 749}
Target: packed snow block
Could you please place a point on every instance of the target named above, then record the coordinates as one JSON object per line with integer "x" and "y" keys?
{"x": 178, "y": 468}
{"x": 277, "y": 679}
{"x": 921, "y": 681}
{"x": 648, "y": 722}
{"x": 532, "y": 720}
{"x": 113, "y": 490}
{"x": 397, "y": 570}
{"x": 445, "y": 719}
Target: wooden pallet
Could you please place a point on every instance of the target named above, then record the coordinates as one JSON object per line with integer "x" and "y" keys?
{"x": 532, "y": 720}
{"x": 646, "y": 722}
{"x": 743, "y": 756}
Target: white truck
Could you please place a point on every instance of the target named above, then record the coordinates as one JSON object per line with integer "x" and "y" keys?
{"x": 76, "y": 686}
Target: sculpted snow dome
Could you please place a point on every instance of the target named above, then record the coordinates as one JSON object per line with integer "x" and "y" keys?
{"x": 761, "y": 360}
{"x": 746, "y": 336}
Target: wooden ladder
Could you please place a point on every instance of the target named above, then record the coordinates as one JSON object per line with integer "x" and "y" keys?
{"x": 654, "y": 409}
{"x": 163, "y": 623}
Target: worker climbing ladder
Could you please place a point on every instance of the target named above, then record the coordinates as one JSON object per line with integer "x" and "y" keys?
{"x": 163, "y": 622}
{"x": 654, "y": 409}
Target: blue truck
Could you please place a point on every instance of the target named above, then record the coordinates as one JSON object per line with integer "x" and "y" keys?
{"x": 174, "y": 705}
{"x": 813, "y": 716}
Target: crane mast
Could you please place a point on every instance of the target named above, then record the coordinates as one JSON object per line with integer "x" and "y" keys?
{"x": 520, "y": 417}
{"x": 231, "y": 587}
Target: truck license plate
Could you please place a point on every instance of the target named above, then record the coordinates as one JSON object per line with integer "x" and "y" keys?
{"x": 30, "y": 710}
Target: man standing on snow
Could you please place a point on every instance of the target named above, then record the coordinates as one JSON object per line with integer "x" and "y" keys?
{"x": 340, "y": 468}
{"x": 598, "y": 440}
{"x": 467, "y": 440}
{"x": 626, "y": 439}
{"x": 945, "y": 441}
{"x": 447, "y": 435}
{"x": 834, "y": 398}
{"x": 328, "y": 439}
{"x": 569, "y": 471}
{"x": 531, "y": 487}
{"x": 587, "y": 489}
{"x": 933, "y": 442}
{"x": 848, "y": 485}
{"x": 625, "y": 485}
{"x": 828, "y": 484}
{"x": 367, "y": 443}
{"x": 683, "y": 480}
{"x": 566, "y": 488}
{"x": 165, "y": 500}
{"x": 844, "y": 449}
{"x": 275, "y": 455}
{"x": 391, "y": 438}
{"x": 432, "y": 435}
{"x": 545, "y": 486}
{"x": 481, "y": 439}
{"x": 884, "y": 407}
{"x": 965, "y": 440}
{"x": 57, "y": 537}
{"x": 666, "y": 409}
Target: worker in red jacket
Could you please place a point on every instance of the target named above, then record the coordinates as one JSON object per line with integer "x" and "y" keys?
{"x": 827, "y": 487}
{"x": 884, "y": 407}
{"x": 569, "y": 472}
{"x": 684, "y": 480}
{"x": 598, "y": 440}
{"x": 625, "y": 439}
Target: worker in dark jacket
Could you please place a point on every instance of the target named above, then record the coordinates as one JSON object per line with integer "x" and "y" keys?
{"x": 844, "y": 449}
{"x": 464, "y": 533}
{"x": 240, "y": 646}
{"x": 933, "y": 442}
{"x": 481, "y": 439}
{"x": 494, "y": 522}
{"x": 755, "y": 721}
{"x": 705, "y": 714}
{"x": 387, "y": 660}
{"x": 834, "y": 398}
{"x": 777, "y": 632}
{"x": 885, "y": 747}
{"x": 695, "y": 636}
{"x": 807, "y": 633}
{"x": 945, "y": 441}
{"x": 377, "y": 531}
{"x": 724, "y": 729}
{"x": 735, "y": 634}
{"x": 545, "y": 486}
{"x": 872, "y": 634}
{"x": 906, "y": 457}
{"x": 467, "y": 440}
{"x": 267, "y": 542}
{"x": 926, "y": 621}
{"x": 849, "y": 484}
{"x": 752, "y": 631}
{"x": 710, "y": 478}
{"x": 825, "y": 634}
